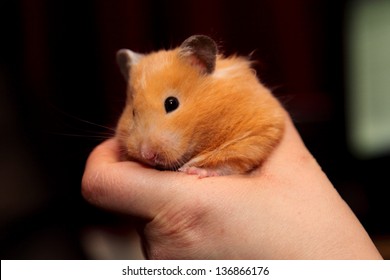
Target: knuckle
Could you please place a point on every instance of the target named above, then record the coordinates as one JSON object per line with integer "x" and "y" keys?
{"x": 92, "y": 188}
{"x": 177, "y": 232}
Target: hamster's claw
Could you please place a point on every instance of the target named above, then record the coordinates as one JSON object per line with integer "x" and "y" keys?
{"x": 201, "y": 172}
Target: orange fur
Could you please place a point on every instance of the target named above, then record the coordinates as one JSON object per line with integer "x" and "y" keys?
{"x": 227, "y": 121}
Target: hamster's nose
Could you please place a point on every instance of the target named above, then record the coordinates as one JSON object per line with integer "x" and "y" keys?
{"x": 148, "y": 154}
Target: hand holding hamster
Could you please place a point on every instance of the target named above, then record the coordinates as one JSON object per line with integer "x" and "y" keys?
{"x": 288, "y": 210}
{"x": 193, "y": 110}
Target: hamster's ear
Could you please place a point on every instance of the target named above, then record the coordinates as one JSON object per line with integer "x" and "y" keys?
{"x": 125, "y": 59}
{"x": 201, "y": 52}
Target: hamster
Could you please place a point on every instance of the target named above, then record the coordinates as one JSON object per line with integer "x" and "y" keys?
{"x": 191, "y": 109}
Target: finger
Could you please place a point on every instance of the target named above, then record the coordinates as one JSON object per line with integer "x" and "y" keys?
{"x": 289, "y": 153}
{"x": 107, "y": 152}
{"x": 127, "y": 187}
{"x": 294, "y": 145}
{"x": 291, "y": 139}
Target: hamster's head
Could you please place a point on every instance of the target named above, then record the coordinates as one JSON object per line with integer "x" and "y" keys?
{"x": 160, "y": 124}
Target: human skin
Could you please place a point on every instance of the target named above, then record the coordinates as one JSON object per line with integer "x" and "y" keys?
{"x": 286, "y": 209}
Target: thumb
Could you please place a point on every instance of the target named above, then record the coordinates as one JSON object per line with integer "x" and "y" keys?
{"x": 127, "y": 187}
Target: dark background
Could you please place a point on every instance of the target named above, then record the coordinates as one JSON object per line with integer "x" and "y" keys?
{"x": 59, "y": 85}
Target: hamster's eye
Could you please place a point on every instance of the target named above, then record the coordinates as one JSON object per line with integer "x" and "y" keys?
{"x": 171, "y": 104}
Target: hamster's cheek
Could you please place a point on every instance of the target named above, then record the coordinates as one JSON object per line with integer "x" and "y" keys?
{"x": 125, "y": 135}
{"x": 125, "y": 122}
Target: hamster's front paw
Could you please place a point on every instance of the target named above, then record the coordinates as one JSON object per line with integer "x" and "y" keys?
{"x": 201, "y": 172}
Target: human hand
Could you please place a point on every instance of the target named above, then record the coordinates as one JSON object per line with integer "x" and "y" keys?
{"x": 287, "y": 209}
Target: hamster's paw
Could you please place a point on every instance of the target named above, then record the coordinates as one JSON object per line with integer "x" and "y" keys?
{"x": 201, "y": 172}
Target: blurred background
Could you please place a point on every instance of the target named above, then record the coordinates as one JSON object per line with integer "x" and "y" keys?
{"x": 61, "y": 92}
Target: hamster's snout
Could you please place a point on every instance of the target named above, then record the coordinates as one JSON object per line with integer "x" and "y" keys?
{"x": 149, "y": 155}
{"x": 155, "y": 158}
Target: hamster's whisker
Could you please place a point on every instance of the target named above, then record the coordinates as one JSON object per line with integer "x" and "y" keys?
{"x": 99, "y": 137}
{"x": 70, "y": 116}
